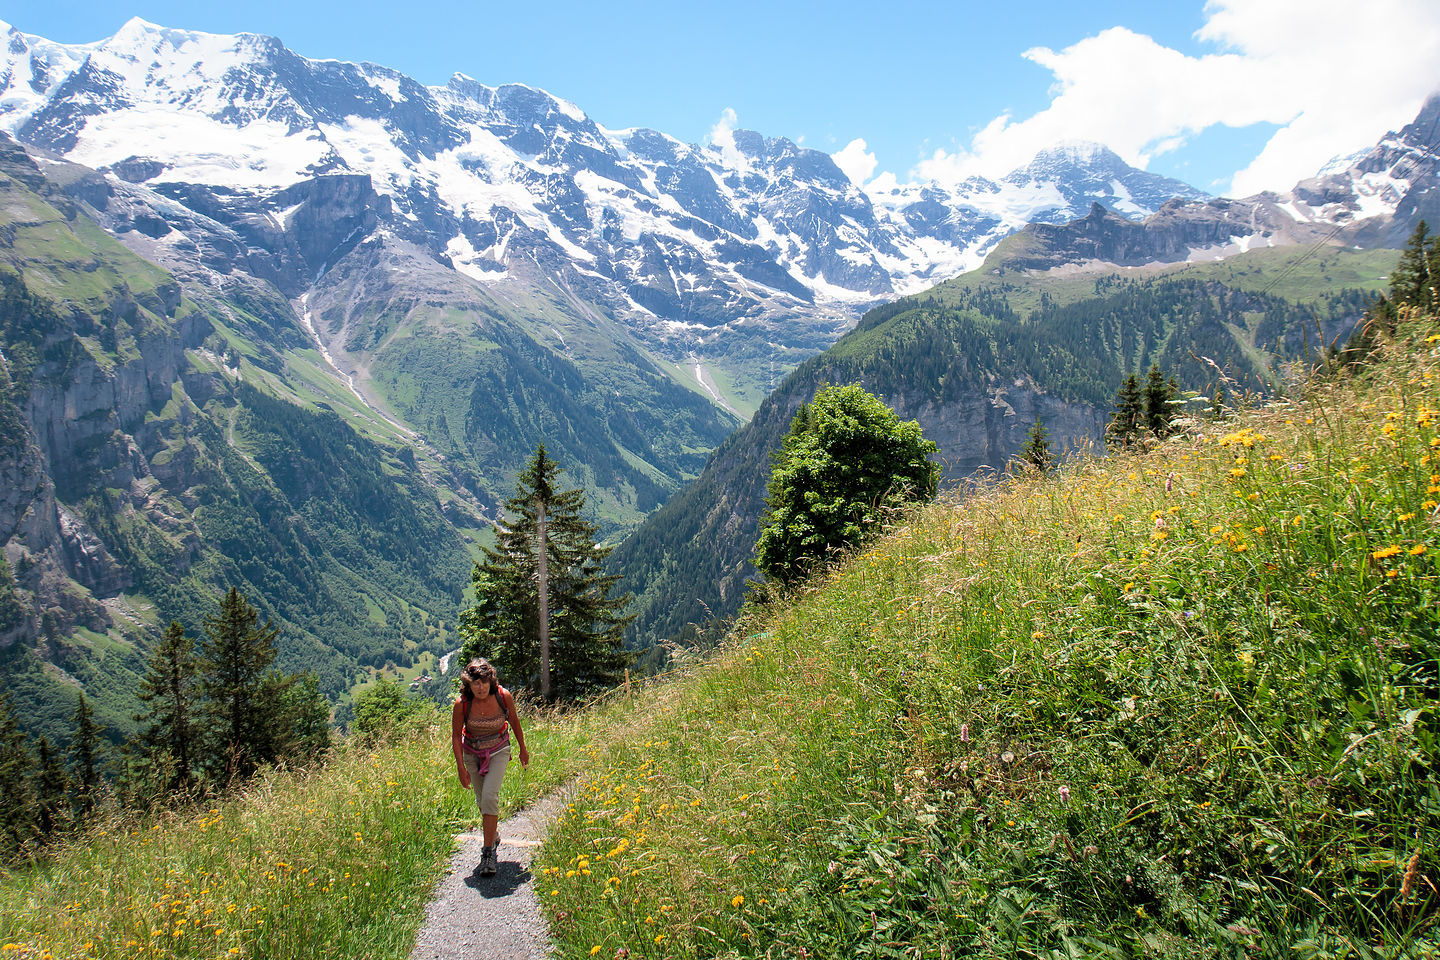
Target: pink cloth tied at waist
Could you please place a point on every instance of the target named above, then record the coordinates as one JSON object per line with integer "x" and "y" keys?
{"x": 483, "y": 767}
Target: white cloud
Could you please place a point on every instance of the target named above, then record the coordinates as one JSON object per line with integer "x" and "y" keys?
{"x": 722, "y": 136}
{"x": 1335, "y": 77}
{"x": 855, "y": 161}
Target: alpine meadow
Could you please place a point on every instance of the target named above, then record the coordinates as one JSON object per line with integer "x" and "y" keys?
{"x": 1032, "y": 562}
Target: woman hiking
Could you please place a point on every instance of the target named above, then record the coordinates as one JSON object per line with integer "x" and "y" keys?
{"x": 480, "y": 727}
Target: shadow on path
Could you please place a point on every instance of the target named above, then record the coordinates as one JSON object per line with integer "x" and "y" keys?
{"x": 507, "y": 879}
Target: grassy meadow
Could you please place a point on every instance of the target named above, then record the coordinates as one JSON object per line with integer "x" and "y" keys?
{"x": 336, "y": 861}
{"x": 1179, "y": 703}
{"x": 1173, "y": 703}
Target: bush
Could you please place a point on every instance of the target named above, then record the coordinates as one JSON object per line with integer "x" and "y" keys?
{"x": 385, "y": 709}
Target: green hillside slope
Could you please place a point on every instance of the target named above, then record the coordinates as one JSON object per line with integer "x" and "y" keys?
{"x": 976, "y": 360}
{"x": 1179, "y": 704}
{"x": 163, "y": 442}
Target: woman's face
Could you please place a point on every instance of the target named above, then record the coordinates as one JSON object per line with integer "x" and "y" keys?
{"x": 479, "y": 686}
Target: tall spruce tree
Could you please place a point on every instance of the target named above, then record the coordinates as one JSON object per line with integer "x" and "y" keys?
{"x": 585, "y": 622}
{"x": 1410, "y": 282}
{"x": 84, "y": 758}
{"x": 1036, "y": 451}
{"x": 1159, "y": 395}
{"x": 1413, "y": 285}
{"x": 1128, "y": 421}
{"x": 17, "y": 795}
{"x": 52, "y": 790}
{"x": 233, "y": 661}
{"x": 169, "y": 733}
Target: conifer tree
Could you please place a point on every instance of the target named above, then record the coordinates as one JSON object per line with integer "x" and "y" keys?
{"x": 233, "y": 661}
{"x": 296, "y": 715}
{"x": 169, "y": 735}
{"x": 585, "y": 623}
{"x": 1037, "y": 448}
{"x": 83, "y": 757}
{"x": 1159, "y": 393}
{"x": 1127, "y": 423}
{"x": 17, "y": 797}
{"x": 52, "y": 790}
{"x": 1410, "y": 281}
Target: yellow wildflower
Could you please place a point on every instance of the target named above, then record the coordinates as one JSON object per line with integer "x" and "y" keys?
{"x": 1417, "y": 550}
{"x": 1386, "y": 552}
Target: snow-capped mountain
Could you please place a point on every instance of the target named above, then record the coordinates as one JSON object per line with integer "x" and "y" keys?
{"x": 680, "y": 240}
{"x": 235, "y": 151}
{"x": 1370, "y": 199}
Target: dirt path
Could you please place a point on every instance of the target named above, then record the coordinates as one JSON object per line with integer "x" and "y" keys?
{"x": 491, "y": 918}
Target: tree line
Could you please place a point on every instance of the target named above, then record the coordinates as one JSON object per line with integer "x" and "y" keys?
{"x": 212, "y": 715}
{"x": 1414, "y": 288}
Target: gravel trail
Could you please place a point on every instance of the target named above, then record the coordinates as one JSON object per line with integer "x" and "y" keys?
{"x": 491, "y": 918}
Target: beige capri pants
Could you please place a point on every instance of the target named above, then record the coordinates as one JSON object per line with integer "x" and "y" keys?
{"x": 487, "y": 788}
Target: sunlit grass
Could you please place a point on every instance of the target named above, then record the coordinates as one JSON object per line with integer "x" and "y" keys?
{"x": 336, "y": 861}
{"x": 1176, "y": 703}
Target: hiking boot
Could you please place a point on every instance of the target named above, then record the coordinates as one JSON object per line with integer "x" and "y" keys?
{"x": 487, "y": 861}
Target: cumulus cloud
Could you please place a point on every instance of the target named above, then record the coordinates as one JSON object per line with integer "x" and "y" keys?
{"x": 1333, "y": 76}
{"x": 722, "y": 136}
{"x": 855, "y": 161}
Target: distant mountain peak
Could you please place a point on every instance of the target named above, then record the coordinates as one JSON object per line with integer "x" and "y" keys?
{"x": 1077, "y": 151}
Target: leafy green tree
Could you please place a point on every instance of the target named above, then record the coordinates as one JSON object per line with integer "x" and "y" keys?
{"x": 84, "y": 757}
{"x": 52, "y": 790}
{"x": 847, "y": 462}
{"x": 383, "y": 707}
{"x": 232, "y": 664}
{"x": 169, "y": 735}
{"x": 295, "y": 716}
{"x": 1036, "y": 451}
{"x": 17, "y": 796}
{"x": 1127, "y": 422}
{"x": 564, "y": 641}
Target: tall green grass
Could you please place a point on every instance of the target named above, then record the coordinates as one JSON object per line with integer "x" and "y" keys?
{"x": 1180, "y": 703}
{"x": 334, "y": 861}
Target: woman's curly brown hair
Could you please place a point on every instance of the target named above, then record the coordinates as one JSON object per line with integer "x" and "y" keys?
{"x": 478, "y": 669}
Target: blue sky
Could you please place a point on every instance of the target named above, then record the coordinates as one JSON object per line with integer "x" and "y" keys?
{"x": 1261, "y": 91}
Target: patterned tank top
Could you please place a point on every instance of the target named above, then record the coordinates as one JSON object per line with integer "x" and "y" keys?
{"x": 486, "y": 733}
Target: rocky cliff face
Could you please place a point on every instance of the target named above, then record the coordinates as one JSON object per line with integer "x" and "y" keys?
{"x": 59, "y": 566}
{"x": 981, "y": 430}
